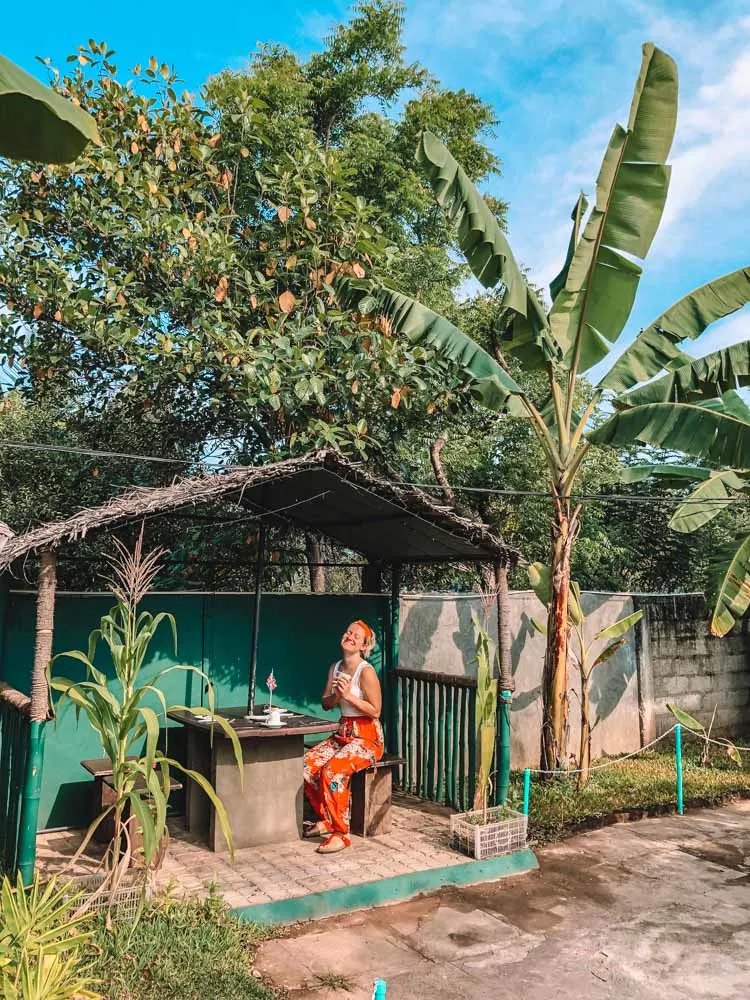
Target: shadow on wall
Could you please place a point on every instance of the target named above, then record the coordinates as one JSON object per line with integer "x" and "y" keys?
{"x": 610, "y": 680}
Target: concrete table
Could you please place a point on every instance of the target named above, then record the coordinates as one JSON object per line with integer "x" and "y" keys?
{"x": 268, "y": 809}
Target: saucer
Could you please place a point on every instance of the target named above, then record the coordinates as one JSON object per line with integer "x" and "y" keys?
{"x": 274, "y": 725}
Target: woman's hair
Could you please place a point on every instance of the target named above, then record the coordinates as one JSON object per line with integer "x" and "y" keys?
{"x": 369, "y": 636}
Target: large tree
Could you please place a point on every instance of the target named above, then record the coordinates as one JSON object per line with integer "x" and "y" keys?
{"x": 592, "y": 298}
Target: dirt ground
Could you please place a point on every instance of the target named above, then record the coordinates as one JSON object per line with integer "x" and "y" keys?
{"x": 654, "y": 909}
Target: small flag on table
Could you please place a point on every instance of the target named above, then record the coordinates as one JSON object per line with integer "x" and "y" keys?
{"x": 271, "y": 685}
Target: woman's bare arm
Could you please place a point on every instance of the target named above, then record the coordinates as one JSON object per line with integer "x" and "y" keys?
{"x": 330, "y": 698}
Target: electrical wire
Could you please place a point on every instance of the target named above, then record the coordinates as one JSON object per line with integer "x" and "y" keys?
{"x": 484, "y": 490}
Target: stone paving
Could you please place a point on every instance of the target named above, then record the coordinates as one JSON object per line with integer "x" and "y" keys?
{"x": 418, "y": 841}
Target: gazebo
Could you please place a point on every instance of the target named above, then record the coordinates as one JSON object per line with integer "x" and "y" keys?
{"x": 391, "y": 524}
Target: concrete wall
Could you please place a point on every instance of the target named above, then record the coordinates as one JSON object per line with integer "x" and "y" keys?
{"x": 669, "y": 657}
{"x": 693, "y": 669}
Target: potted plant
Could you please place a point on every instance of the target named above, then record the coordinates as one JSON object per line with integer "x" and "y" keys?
{"x": 486, "y": 830}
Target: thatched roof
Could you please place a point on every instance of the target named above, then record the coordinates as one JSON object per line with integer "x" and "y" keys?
{"x": 322, "y": 492}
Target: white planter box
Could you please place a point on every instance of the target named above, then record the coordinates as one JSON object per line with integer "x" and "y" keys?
{"x": 123, "y": 904}
{"x": 486, "y": 840}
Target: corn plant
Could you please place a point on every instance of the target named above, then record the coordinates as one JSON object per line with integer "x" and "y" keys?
{"x": 585, "y": 658}
{"x": 118, "y": 713}
{"x": 41, "y": 937}
{"x": 485, "y": 714}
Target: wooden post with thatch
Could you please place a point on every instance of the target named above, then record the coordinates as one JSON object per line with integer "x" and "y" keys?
{"x": 38, "y": 712}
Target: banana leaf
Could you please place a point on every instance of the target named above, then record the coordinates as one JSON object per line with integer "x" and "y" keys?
{"x": 670, "y": 476}
{"x": 487, "y": 250}
{"x": 707, "y": 500}
{"x": 655, "y": 348}
{"x": 685, "y": 719}
{"x": 38, "y": 124}
{"x": 731, "y": 572}
{"x": 619, "y": 628}
{"x": 698, "y": 431}
{"x": 700, "y": 378}
{"x": 576, "y": 216}
{"x": 590, "y": 311}
{"x": 491, "y": 384}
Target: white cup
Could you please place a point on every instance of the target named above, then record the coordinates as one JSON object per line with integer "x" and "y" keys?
{"x": 274, "y": 717}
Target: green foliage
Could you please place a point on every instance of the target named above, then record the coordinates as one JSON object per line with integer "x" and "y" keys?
{"x": 42, "y": 940}
{"x": 699, "y": 730}
{"x": 179, "y": 949}
{"x": 486, "y": 710}
{"x": 121, "y": 717}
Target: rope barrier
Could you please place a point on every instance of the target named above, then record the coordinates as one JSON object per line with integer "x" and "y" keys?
{"x": 609, "y": 763}
{"x": 677, "y": 729}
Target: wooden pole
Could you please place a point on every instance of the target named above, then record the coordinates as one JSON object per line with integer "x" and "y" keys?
{"x": 45, "y": 623}
{"x": 256, "y": 620}
{"x": 38, "y": 712}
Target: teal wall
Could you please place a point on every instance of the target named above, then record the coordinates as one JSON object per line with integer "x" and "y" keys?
{"x": 299, "y": 638}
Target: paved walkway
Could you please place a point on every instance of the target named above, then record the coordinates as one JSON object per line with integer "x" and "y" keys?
{"x": 647, "y": 910}
{"x": 419, "y": 840}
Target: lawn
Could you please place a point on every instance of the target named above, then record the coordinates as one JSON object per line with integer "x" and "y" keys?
{"x": 646, "y": 782}
{"x": 194, "y": 950}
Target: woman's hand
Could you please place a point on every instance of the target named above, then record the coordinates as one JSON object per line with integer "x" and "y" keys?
{"x": 342, "y": 686}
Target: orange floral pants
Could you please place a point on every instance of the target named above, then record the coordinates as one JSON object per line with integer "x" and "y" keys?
{"x": 329, "y": 766}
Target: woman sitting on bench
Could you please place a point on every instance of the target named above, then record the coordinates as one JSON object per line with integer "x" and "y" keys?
{"x": 357, "y": 744}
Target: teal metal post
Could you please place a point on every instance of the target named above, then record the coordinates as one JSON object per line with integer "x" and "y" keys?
{"x": 379, "y": 990}
{"x": 678, "y": 761}
{"x": 32, "y": 791}
{"x": 526, "y": 791}
{"x": 503, "y": 764}
{"x": 392, "y": 657}
{"x": 256, "y": 619}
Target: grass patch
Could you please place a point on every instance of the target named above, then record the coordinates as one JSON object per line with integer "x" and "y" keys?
{"x": 647, "y": 781}
{"x": 180, "y": 950}
{"x": 333, "y": 981}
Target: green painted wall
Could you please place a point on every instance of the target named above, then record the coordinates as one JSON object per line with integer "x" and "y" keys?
{"x": 299, "y": 638}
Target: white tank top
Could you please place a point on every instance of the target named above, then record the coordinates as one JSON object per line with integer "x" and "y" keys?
{"x": 345, "y": 707}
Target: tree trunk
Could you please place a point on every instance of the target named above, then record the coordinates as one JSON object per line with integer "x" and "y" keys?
{"x": 314, "y": 553}
{"x": 45, "y": 620}
{"x": 314, "y": 559}
{"x": 555, "y": 677}
{"x": 504, "y": 638}
{"x": 584, "y": 755}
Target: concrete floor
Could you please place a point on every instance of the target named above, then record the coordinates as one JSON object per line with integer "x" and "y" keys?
{"x": 654, "y": 909}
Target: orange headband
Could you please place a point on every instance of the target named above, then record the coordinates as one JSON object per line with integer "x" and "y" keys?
{"x": 370, "y": 635}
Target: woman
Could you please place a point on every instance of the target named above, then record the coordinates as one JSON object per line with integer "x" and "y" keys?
{"x": 354, "y": 686}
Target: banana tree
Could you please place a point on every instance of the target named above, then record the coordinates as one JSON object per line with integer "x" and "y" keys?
{"x": 592, "y": 298}
{"x": 713, "y": 491}
{"x": 585, "y": 656}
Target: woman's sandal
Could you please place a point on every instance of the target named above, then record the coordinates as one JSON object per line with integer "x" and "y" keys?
{"x": 314, "y": 831}
{"x": 335, "y": 843}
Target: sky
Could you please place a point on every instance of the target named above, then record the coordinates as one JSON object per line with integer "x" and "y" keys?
{"x": 559, "y": 75}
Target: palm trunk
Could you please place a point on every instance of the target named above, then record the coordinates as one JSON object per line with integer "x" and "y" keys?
{"x": 555, "y": 677}
{"x": 314, "y": 559}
